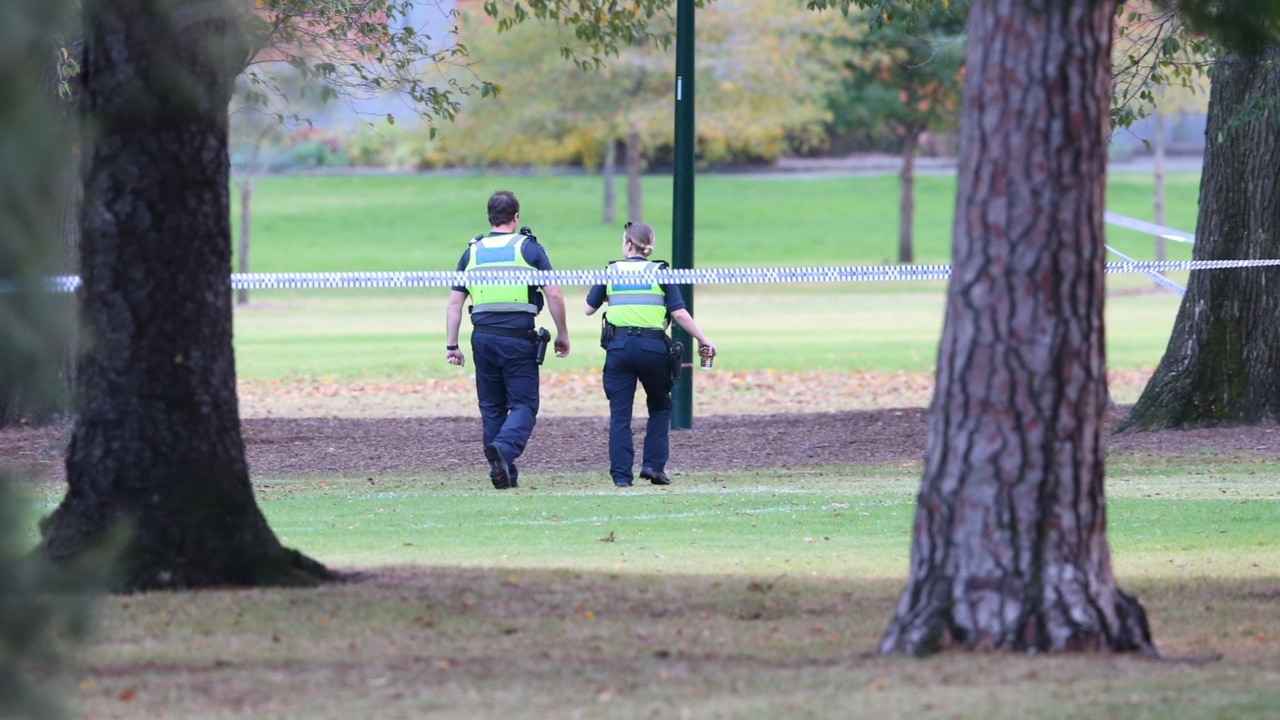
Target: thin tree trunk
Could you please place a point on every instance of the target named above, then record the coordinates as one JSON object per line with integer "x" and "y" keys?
{"x": 635, "y": 209}
{"x": 1221, "y": 362}
{"x": 1157, "y": 162}
{"x": 906, "y": 194}
{"x": 607, "y": 171}
{"x": 157, "y": 448}
{"x": 242, "y": 248}
{"x": 1009, "y": 549}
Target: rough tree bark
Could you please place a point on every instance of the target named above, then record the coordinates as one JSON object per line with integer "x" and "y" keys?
{"x": 1222, "y": 364}
{"x": 1009, "y": 550}
{"x": 157, "y": 447}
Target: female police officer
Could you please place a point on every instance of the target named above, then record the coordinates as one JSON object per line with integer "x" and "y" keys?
{"x": 636, "y": 319}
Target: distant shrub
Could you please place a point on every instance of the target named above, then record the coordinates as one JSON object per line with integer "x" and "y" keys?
{"x": 394, "y": 147}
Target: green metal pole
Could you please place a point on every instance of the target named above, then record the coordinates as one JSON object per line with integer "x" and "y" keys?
{"x": 682, "y": 204}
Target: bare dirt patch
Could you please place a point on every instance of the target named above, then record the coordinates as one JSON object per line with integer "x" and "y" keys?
{"x": 740, "y": 421}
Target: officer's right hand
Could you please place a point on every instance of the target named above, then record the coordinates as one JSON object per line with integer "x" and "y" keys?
{"x": 455, "y": 357}
{"x": 562, "y": 345}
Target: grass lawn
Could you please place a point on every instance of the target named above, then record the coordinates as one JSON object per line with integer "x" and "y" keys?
{"x": 423, "y": 222}
{"x": 802, "y": 350}
{"x": 309, "y": 341}
{"x": 730, "y": 595}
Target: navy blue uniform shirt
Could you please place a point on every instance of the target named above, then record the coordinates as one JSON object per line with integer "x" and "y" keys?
{"x": 535, "y": 256}
{"x": 597, "y": 295}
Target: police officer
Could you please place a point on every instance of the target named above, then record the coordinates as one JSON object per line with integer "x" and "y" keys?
{"x": 503, "y": 340}
{"x": 636, "y": 347}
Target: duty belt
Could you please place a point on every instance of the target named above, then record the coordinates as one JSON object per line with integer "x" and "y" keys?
{"x": 653, "y": 333}
{"x": 504, "y": 331}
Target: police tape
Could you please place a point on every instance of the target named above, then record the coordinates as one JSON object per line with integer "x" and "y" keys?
{"x": 1156, "y": 277}
{"x": 668, "y": 276}
{"x": 1129, "y": 223}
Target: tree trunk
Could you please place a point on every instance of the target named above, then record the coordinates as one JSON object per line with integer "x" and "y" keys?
{"x": 242, "y": 248}
{"x": 1222, "y": 359}
{"x": 1009, "y": 550}
{"x": 635, "y": 210}
{"x": 156, "y": 447}
{"x": 608, "y": 170}
{"x": 1157, "y": 171}
{"x": 906, "y": 194}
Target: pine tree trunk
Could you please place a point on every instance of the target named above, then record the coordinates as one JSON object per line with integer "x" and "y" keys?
{"x": 1009, "y": 550}
{"x": 157, "y": 447}
{"x": 1223, "y": 355}
{"x": 907, "y": 194}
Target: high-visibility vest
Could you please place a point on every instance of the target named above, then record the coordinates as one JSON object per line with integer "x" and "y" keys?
{"x": 499, "y": 252}
{"x": 636, "y": 304}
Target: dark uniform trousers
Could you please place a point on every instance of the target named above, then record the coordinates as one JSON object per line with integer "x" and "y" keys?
{"x": 507, "y": 385}
{"x": 628, "y": 359}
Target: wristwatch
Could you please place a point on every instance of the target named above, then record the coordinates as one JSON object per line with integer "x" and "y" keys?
{"x": 450, "y": 347}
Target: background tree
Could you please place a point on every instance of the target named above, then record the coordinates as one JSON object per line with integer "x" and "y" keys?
{"x": 907, "y": 76}
{"x": 755, "y": 87}
{"x": 258, "y": 125}
{"x": 1160, "y": 68}
{"x": 1220, "y": 364}
{"x": 251, "y": 132}
{"x": 1009, "y": 549}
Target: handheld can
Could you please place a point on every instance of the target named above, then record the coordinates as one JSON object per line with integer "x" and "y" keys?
{"x": 707, "y": 356}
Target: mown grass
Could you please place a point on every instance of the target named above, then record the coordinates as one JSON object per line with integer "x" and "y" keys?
{"x": 347, "y": 338}
{"x": 729, "y": 595}
{"x": 423, "y": 222}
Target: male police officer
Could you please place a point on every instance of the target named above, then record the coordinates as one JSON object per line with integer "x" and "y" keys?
{"x": 503, "y": 340}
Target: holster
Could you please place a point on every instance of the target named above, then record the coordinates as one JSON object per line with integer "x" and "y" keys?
{"x": 542, "y": 337}
{"x": 675, "y": 360}
{"x": 607, "y": 331}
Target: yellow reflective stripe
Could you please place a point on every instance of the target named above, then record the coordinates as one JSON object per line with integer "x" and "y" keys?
{"x": 637, "y": 299}
{"x": 505, "y": 307}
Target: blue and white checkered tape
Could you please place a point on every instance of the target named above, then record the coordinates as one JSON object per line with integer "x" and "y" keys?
{"x": 693, "y": 276}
